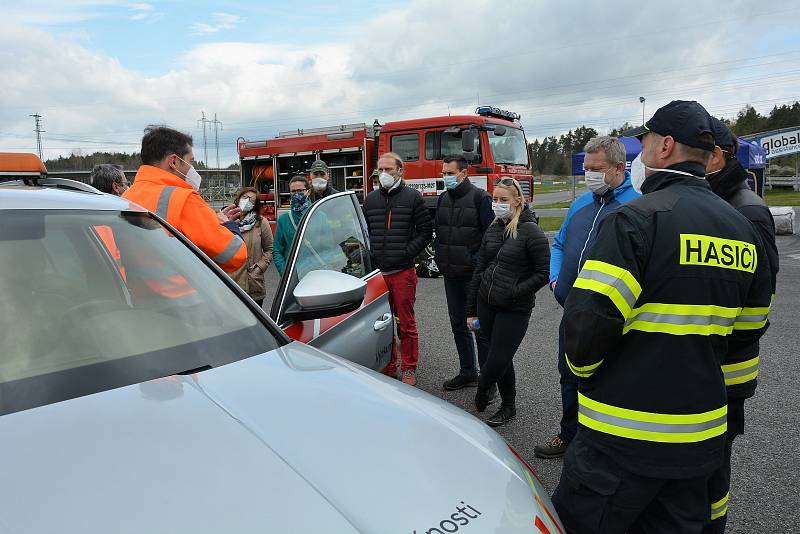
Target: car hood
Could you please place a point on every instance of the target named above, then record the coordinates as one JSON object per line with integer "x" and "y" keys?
{"x": 293, "y": 440}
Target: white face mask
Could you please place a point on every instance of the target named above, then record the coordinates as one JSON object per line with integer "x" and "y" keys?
{"x": 638, "y": 174}
{"x": 386, "y": 180}
{"x": 246, "y": 204}
{"x": 319, "y": 183}
{"x": 193, "y": 177}
{"x": 596, "y": 182}
{"x": 501, "y": 210}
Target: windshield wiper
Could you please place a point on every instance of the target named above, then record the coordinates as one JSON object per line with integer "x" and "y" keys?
{"x": 195, "y": 370}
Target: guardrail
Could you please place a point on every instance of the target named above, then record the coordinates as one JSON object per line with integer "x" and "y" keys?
{"x": 783, "y": 181}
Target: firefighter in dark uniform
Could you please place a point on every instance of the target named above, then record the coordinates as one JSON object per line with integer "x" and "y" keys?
{"x": 671, "y": 277}
{"x": 728, "y": 179}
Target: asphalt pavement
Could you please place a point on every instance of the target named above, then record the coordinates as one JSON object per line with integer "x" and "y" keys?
{"x": 764, "y": 493}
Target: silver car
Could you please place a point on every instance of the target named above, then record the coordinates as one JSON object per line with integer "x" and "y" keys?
{"x": 142, "y": 391}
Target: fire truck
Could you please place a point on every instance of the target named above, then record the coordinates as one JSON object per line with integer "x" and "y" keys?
{"x": 492, "y": 141}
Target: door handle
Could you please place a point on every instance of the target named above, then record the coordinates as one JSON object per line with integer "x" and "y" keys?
{"x": 382, "y": 322}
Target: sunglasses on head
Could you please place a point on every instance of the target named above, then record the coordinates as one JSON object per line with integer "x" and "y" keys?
{"x": 508, "y": 182}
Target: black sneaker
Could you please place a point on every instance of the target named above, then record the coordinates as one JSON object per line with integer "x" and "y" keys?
{"x": 460, "y": 381}
{"x": 553, "y": 448}
{"x": 502, "y": 416}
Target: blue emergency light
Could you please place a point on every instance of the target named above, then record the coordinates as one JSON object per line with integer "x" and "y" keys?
{"x": 489, "y": 111}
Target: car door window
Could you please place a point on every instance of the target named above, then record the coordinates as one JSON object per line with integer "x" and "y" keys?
{"x": 333, "y": 241}
{"x": 331, "y": 237}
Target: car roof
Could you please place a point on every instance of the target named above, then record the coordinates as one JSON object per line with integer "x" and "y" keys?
{"x": 24, "y": 197}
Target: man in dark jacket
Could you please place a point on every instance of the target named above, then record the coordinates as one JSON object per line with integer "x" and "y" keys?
{"x": 728, "y": 179}
{"x": 672, "y": 280}
{"x": 320, "y": 181}
{"x": 609, "y": 186}
{"x": 463, "y": 214}
{"x": 399, "y": 229}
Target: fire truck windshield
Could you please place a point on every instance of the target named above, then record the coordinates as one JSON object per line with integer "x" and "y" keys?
{"x": 509, "y": 148}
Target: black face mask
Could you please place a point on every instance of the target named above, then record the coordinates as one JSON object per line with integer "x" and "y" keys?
{"x": 721, "y": 180}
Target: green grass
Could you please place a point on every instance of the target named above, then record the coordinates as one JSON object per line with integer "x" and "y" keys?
{"x": 780, "y": 197}
{"x": 549, "y": 187}
{"x": 549, "y": 224}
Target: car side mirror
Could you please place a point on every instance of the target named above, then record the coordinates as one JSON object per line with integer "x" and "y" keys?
{"x": 326, "y": 294}
{"x": 468, "y": 138}
{"x": 499, "y": 130}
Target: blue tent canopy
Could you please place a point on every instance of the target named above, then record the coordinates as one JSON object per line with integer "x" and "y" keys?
{"x": 750, "y": 155}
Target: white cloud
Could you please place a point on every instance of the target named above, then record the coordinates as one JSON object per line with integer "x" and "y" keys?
{"x": 220, "y": 22}
{"x": 560, "y": 66}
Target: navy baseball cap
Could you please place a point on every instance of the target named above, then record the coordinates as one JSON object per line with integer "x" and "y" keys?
{"x": 684, "y": 120}
{"x": 723, "y": 136}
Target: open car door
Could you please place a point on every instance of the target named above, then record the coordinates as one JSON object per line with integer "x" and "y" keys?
{"x": 328, "y": 268}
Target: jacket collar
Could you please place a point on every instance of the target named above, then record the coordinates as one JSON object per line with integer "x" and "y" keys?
{"x": 461, "y": 189}
{"x": 155, "y": 175}
{"x": 730, "y": 179}
{"x": 663, "y": 179}
{"x": 395, "y": 188}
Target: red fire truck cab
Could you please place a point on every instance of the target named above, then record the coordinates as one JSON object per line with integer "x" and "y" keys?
{"x": 492, "y": 141}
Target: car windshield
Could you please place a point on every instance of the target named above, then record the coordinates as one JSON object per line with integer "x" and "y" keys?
{"x": 509, "y": 148}
{"x": 94, "y": 300}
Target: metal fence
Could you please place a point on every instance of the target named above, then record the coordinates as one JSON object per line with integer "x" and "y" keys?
{"x": 217, "y": 188}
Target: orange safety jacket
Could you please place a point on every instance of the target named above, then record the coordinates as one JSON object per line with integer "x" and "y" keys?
{"x": 174, "y": 200}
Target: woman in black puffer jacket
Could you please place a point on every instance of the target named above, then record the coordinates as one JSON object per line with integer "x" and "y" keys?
{"x": 513, "y": 264}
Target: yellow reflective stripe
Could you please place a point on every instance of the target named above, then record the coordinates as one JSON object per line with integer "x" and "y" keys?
{"x": 741, "y": 372}
{"x": 582, "y": 372}
{"x": 752, "y": 318}
{"x": 648, "y": 426}
{"x": 652, "y": 417}
{"x": 616, "y": 283}
{"x": 682, "y": 319}
{"x": 720, "y": 508}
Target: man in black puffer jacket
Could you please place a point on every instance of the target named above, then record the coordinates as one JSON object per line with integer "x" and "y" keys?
{"x": 399, "y": 229}
{"x": 513, "y": 264}
{"x": 728, "y": 180}
{"x": 463, "y": 214}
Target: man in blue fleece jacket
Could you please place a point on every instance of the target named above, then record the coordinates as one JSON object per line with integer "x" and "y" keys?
{"x": 609, "y": 186}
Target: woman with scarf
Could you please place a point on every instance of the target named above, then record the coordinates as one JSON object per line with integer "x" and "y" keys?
{"x": 257, "y": 236}
{"x": 288, "y": 222}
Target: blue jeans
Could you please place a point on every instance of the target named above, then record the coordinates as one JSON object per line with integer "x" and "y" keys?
{"x": 455, "y": 291}
{"x": 569, "y": 393}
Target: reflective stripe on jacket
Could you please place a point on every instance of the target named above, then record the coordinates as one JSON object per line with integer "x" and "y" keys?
{"x": 174, "y": 200}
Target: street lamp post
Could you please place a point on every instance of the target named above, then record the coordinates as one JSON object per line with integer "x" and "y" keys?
{"x": 642, "y": 99}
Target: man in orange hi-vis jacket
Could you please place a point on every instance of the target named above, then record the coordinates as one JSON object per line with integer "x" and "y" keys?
{"x": 167, "y": 185}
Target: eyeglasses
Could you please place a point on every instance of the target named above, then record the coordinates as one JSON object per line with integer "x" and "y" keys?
{"x": 298, "y": 190}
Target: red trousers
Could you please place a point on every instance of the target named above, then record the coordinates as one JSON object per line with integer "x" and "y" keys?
{"x": 402, "y": 295}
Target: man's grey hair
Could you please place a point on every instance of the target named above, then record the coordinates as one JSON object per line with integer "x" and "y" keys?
{"x": 611, "y": 146}
{"x": 104, "y": 176}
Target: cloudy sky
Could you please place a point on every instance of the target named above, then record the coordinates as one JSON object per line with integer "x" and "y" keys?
{"x": 98, "y": 71}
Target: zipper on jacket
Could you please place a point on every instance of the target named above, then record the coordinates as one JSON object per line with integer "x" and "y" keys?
{"x": 589, "y": 235}
{"x": 496, "y": 265}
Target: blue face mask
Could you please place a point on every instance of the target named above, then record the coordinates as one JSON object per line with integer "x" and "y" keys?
{"x": 450, "y": 182}
{"x": 299, "y": 201}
